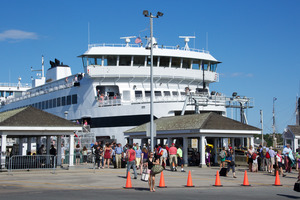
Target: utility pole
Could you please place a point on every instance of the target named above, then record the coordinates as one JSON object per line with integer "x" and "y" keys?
{"x": 262, "y": 127}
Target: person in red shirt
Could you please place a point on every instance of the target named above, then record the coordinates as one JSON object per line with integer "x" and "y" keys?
{"x": 167, "y": 147}
{"x": 173, "y": 155}
{"x": 131, "y": 161}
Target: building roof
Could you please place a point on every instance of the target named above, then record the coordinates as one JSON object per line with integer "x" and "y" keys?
{"x": 32, "y": 117}
{"x": 291, "y": 131}
{"x": 295, "y": 129}
{"x": 195, "y": 122}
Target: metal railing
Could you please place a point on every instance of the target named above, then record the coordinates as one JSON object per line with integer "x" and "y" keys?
{"x": 18, "y": 162}
{"x": 23, "y": 85}
{"x": 157, "y": 46}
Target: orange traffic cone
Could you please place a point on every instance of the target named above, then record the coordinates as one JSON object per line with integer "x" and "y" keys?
{"x": 128, "y": 182}
{"x": 277, "y": 180}
{"x": 162, "y": 181}
{"x": 246, "y": 182}
{"x": 218, "y": 181}
{"x": 189, "y": 181}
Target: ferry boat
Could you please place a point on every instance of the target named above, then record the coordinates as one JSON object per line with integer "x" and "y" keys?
{"x": 113, "y": 93}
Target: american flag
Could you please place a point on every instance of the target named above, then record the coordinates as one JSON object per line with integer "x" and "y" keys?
{"x": 138, "y": 40}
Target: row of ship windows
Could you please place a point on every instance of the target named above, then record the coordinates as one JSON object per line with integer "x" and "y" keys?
{"x": 56, "y": 102}
{"x": 139, "y": 93}
{"x": 174, "y": 62}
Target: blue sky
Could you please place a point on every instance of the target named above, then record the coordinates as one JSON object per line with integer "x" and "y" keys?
{"x": 256, "y": 41}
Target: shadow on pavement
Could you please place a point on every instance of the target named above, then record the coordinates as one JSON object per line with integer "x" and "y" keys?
{"x": 289, "y": 196}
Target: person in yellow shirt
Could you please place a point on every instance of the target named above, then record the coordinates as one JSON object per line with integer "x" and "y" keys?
{"x": 180, "y": 160}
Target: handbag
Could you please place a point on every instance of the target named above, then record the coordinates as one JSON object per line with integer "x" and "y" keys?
{"x": 156, "y": 169}
{"x": 145, "y": 175}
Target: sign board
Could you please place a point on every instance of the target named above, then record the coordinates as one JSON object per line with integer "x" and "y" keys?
{"x": 194, "y": 143}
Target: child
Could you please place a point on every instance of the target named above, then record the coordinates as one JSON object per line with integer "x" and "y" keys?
{"x": 255, "y": 164}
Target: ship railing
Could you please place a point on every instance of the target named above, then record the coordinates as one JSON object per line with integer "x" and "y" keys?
{"x": 108, "y": 102}
{"x": 19, "y": 162}
{"x": 205, "y": 100}
{"x": 23, "y": 85}
{"x": 157, "y": 46}
{"x": 163, "y": 99}
{"x": 43, "y": 90}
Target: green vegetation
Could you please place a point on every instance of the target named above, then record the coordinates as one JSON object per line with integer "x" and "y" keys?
{"x": 268, "y": 138}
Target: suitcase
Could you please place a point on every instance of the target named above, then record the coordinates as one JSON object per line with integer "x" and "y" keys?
{"x": 297, "y": 186}
{"x": 223, "y": 171}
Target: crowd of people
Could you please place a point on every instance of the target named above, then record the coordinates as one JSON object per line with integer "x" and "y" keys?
{"x": 139, "y": 158}
{"x": 269, "y": 160}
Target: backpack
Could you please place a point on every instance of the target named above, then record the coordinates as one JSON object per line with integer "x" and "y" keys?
{"x": 267, "y": 155}
{"x": 222, "y": 154}
{"x": 264, "y": 152}
{"x": 254, "y": 155}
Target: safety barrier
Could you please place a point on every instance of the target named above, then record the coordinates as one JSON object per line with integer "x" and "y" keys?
{"x": 31, "y": 162}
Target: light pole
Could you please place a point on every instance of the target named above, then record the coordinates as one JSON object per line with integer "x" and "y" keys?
{"x": 146, "y": 14}
{"x": 262, "y": 127}
{"x": 273, "y": 126}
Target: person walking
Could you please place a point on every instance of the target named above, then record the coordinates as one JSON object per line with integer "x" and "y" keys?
{"x": 138, "y": 157}
{"x": 222, "y": 157}
{"x": 84, "y": 155}
{"x": 287, "y": 161}
{"x": 173, "y": 156}
{"x": 131, "y": 161}
{"x": 279, "y": 162}
{"x": 151, "y": 162}
{"x": 119, "y": 155}
{"x": 230, "y": 163}
{"x": 107, "y": 155}
{"x": 163, "y": 158}
{"x": 63, "y": 154}
{"x": 180, "y": 160}
{"x": 145, "y": 157}
{"x": 249, "y": 155}
{"x": 98, "y": 157}
{"x": 272, "y": 158}
{"x": 77, "y": 154}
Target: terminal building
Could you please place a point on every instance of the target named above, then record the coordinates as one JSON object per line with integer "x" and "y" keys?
{"x": 193, "y": 132}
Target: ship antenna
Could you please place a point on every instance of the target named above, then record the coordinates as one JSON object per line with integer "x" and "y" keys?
{"x": 194, "y": 40}
{"x": 42, "y": 66}
{"x": 127, "y": 39}
{"x": 206, "y": 41}
{"x": 186, "y": 40}
{"x": 88, "y": 34}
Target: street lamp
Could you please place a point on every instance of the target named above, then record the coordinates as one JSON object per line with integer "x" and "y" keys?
{"x": 146, "y": 14}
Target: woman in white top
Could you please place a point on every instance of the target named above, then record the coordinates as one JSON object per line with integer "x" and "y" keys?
{"x": 250, "y": 160}
{"x": 164, "y": 155}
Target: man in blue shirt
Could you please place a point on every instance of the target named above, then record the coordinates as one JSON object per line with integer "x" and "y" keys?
{"x": 138, "y": 158}
{"x": 119, "y": 155}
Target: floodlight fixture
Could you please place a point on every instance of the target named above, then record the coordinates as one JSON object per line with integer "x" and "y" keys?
{"x": 145, "y": 13}
{"x": 159, "y": 14}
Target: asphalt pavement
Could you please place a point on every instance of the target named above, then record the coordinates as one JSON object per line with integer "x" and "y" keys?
{"x": 83, "y": 182}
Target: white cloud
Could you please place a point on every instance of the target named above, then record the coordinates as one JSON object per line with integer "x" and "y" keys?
{"x": 241, "y": 74}
{"x": 17, "y": 35}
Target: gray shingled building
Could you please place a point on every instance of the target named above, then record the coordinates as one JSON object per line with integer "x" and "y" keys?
{"x": 30, "y": 122}
{"x": 197, "y": 127}
{"x": 291, "y": 135}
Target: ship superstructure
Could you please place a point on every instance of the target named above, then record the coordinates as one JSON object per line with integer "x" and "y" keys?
{"x": 113, "y": 92}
